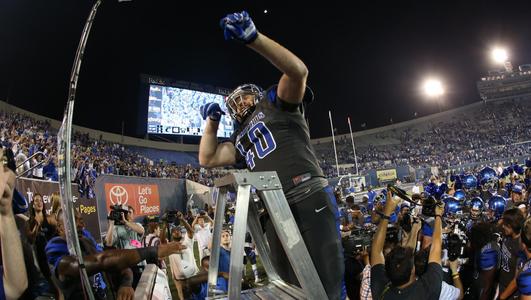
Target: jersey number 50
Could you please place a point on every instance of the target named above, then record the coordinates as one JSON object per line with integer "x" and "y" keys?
{"x": 263, "y": 143}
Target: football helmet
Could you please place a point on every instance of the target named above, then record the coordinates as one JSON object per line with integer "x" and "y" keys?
{"x": 242, "y": 101}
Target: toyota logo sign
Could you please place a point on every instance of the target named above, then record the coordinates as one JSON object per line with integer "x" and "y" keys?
{"x": 118, "y": 195}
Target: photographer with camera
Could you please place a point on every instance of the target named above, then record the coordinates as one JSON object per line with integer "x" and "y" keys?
{"x": 123, "y": 233}
{"x": 14, "y": 280}
{"x": 448, "y": 292}
{"x": 122, "y": 230}
{"x": 410, "y": 242}
{"x": 511, "y": 224}
{"x": 406, "y": 222}
{"x": 202, "y": 226}
{"x": 394, "y": 277}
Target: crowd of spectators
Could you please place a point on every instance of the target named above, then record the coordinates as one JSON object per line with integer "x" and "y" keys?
{"x": 90, "y": 157}
{"x": 491, "y": 132}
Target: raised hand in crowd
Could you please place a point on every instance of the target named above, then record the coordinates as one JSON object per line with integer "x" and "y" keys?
{"x": 15, "y": 279}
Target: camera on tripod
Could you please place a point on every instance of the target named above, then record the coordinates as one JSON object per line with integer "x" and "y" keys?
{"x": 118, "y": 214}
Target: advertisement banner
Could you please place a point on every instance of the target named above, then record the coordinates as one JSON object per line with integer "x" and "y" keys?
{"x": 386, "y": 175}
{"x": 144, "y": 198}
{"x": 148, "y": 196}
{"x": 87, "y": 207}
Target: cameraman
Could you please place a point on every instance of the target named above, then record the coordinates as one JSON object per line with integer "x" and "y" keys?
{"x": 126, "y": 235}
{"x": 394, "y": 278}
{"x": 14, "y": 280}
{"x": 448, "y": 292}
{"x": 121, "y": 235}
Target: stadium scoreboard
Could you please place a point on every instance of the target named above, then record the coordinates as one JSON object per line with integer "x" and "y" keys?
{"x": 175, "y": 111}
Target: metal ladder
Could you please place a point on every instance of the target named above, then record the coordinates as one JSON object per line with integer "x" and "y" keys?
{"x": 269, "y": 188}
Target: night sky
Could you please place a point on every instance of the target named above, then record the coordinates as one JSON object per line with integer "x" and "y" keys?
{"x": 365, "y": 61}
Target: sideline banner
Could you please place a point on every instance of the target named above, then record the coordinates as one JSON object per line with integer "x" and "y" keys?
{"x": 386, "y": 175}
{"x": 144, "y": 198}
{"x": 148, "y": 196}
{"x": 87, "y": 207}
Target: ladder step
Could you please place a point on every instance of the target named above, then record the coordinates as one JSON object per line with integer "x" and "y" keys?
{"x": 268, "y": 292}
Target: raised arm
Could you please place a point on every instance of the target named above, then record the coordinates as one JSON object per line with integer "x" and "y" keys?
{"x": 212, "y": 154}
{"x": 436, "y": 243}
{"x": 134, "y": 226}
{"x": 114, "y": 260}
{"x": 14, "y": 276}
{"x": 378, "y": 241}
{"x": 413, "y": 236}
{"x": 292, "y": 84}
{"x": 183, "y": 222}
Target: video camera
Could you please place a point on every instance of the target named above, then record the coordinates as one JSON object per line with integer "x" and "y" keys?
{"x": 407, "y": 221}
{"x": 362, "y": 238}
{"x": 171, "y": 217}
{"x": 150, "y": 219}
{"x": 428, "y": 206}
{"x": 399, "y": 192}
{"x": 117, "y": 211}
{"x": 357, "y": 241}
{"x": 455, "y": 241}
{"x": 455, "y": 244}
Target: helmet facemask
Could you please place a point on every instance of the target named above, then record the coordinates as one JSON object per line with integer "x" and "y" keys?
{"x": 242, "y": 101}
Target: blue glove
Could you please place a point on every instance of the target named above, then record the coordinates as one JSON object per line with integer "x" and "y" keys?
{"x": 212, "y": 111}
{"x": 239, "y": 27}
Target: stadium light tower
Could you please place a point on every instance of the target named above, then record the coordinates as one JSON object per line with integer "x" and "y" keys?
{"x": 499, "y": 55}
{"x": 433, "y": 88}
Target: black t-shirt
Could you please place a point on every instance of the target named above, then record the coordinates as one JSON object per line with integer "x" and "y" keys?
{"x": 509, "y": 257}
{"x": 487, "y": 259}
{"x": 428, "y": 286}
{"x": 276, "y": 138}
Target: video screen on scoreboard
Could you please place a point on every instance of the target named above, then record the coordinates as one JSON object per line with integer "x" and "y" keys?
{"x": 175, "y": 110}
